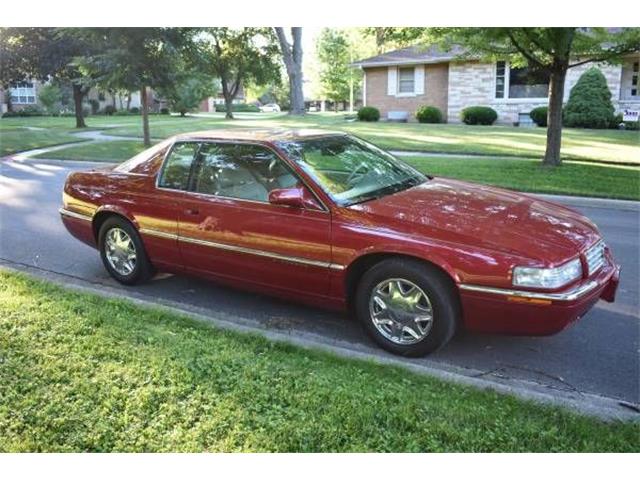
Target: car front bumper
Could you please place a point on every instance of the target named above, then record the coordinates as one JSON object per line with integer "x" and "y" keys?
{"x": 519, "y": 312}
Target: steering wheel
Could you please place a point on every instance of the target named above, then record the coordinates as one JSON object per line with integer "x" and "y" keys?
{"x": 353, "y": 175}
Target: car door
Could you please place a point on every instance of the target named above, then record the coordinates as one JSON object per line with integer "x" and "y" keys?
{"x": 228, "y": 228}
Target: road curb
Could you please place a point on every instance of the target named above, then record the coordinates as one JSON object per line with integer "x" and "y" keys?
{"x": 604, "y": 408}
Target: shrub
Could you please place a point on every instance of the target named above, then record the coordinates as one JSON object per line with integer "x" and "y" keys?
{"x": 429, "y": 114}
{"x": 50, "y": 98}
{"x": 539, "y": 116}
{"x": 617, "y": 121}
{"x": 110, "y": 110}
{"x": 28, "y": 111}
{"x": 368, "y": 114}
{"x": 164, "y": 111}
{"x": 589, "y": 104}
{"x": 134, "y": 110}
{"x": 238, "y": 107}
{"x": 478, "y": 115}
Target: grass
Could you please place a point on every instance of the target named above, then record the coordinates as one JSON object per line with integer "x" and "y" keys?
{"x": 13, "y": 140}
{"x": 116, "y": 151}
{"x": 527, "y": 175}
{"x": 573, "y": 178}
{"x": 81, "y": 373}
{"x": 578, "y": 144}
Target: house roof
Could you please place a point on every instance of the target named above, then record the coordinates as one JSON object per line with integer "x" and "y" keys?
{"x": 410, "y": 56}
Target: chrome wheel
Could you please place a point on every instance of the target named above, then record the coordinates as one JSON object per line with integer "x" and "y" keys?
{"x": 401, "y": 311}
{"x": 120, "y": 251}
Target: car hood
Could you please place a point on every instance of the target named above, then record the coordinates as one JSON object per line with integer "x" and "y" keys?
{"x": 486, "y": 217}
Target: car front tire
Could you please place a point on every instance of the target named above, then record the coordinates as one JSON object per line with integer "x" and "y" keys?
{"x": 407, "y": 307}
{"x": 122, "y": 252}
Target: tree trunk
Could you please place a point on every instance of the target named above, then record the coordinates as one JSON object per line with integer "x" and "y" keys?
{"x": 228, "y": 98}
{"x": 292, "y": 56}
{"x": 78, "y": 97}
{"x": 554, "y": 117}
{"x": 128, "y": 101}
{"x": 145, "y": 116}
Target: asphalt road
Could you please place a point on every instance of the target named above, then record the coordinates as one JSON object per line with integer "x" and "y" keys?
{"x": 599, "y": 355}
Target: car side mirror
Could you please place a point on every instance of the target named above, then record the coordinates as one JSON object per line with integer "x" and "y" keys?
{"x": 297, "y": 197}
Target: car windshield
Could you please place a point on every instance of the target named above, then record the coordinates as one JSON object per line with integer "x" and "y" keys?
{"x": 350, "y": 170}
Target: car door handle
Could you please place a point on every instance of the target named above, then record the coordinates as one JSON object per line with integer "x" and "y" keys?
{"x": 192, "y": 211}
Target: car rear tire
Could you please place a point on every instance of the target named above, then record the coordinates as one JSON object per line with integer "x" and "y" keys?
{"x": 123, "y": 253}
{"x": 407, "y": 307}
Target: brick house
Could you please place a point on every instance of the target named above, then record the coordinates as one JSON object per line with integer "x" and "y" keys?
{"x": 403, "y": 80}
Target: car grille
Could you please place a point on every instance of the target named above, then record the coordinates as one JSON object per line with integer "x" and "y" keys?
{"x": 595, "y": 257}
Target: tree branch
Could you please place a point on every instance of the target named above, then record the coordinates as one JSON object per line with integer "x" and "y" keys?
{"x": 526, "y": 53}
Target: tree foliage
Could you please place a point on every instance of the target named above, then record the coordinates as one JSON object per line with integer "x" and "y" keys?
{"x": 44, "y": 53}
{"x": 50, "y": 98}
{"x": 135, "y": 58}
{"x": 335, "y": 71}
{"x": 235, "y": 56}
{"x": 186, "y": 94}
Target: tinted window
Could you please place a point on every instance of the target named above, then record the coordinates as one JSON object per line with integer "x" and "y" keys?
{"x": 351, "y": 170}
{"x": 247, "y": 172}
{"x": 178, "y": 165}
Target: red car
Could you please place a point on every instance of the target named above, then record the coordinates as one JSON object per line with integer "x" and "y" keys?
{"x": 328, "y": 219}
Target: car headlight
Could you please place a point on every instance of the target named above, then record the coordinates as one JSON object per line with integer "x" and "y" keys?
{"x": 547, "y": 277}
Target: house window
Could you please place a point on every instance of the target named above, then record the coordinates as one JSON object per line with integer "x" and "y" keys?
{"x": 406, "y": 82}
{"x": 512, "y": 82}
{"x": 500, "y": 78}
{"x": 634, "y": 79}
{"x": 23, "y": 92}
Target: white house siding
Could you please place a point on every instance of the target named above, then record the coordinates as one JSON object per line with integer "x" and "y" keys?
{"x": 473, "y": 83}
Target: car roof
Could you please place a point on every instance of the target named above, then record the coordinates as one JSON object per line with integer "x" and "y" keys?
{"x": 256, "y": 134}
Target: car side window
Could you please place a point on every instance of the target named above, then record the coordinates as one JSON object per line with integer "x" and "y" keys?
{"x": 243, "y": 171}
{"x": 175, "y": 174}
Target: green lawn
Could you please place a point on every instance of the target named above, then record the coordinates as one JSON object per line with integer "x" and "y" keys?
{"x": 527, "y": 175}
{"x": 573, "y": 178}
{"x": 81, "y": 373}
{"x": 13, "y": 140}
{"x": 116, "y": 151}
{"x": 579, "y": 144}
{"x": 607, "y": 145}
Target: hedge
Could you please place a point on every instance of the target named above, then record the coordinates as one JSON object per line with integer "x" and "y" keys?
{"x": 429, "y": 114}
{"x": 478, "y": 115}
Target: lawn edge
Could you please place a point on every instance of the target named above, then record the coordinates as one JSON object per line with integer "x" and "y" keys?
{"x": 584, "y": 404}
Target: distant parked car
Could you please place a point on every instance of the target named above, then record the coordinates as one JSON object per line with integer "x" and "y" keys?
{"x": 270, "y": 108}
{"x": 334, "y": 221}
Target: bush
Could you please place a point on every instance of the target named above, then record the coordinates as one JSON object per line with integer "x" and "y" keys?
{"x": 589, "y": 104}
{"x": 429, "y": 114}
{"x": 134, "y": 110}
{"x": 368, "y": 114}
{"x": 50, "y": 98}
{"x": 238, "y": 107}
{"x": 28, "y": 111}
{"x": 539, "y": 116}
{"x": 478, "y": 115}
{"x": 164, "y": 111}
{"x": 110, "y": 110}
{"x": 617, "y": 121}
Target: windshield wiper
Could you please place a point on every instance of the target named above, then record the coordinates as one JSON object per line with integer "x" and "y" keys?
{"x": 388, "y": 190}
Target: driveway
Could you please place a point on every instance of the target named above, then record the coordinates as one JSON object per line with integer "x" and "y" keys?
{"x": 599, "y": 355}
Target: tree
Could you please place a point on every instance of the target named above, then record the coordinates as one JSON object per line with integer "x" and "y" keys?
{"x": 135, "y": 58}
{"x": 46, "y": 54}
{"x": 235, "y": 56}
{"x": 292, "y": 57}
{"x": 335, "y": 71}
{"x": 589, "y": 104}
{"x": 49, "y": 97}
{"x": 188, "y": 92}
{"x": 550, "y": 50}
